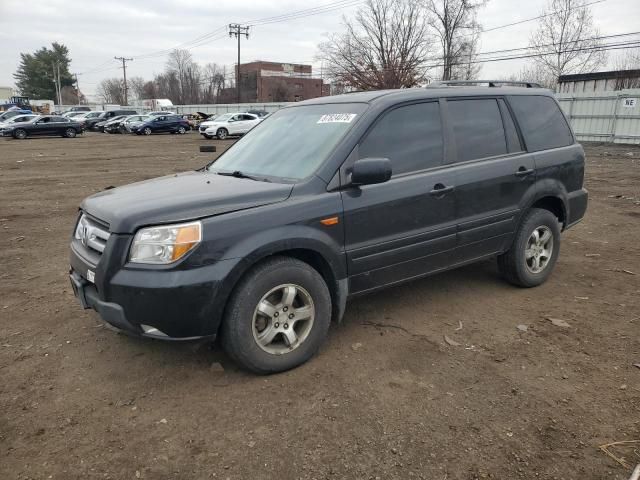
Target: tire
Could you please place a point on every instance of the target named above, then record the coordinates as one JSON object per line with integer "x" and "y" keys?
{"x": 147, "y": 131}
{"x": 268, "y": 284}
{"x": 20, "y": 134}
{"x": 222, "y": 133}
{"x": 182, "y": 130}
{"x": 529, "y": 263}
{"x": 70, "y": 133}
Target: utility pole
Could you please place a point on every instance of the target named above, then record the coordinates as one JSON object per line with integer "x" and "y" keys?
{"x": 237, "y": 30}
{"x": 124, "y": 72}
{"x": 77, "y": 88}
{"x": 55, "y": 66}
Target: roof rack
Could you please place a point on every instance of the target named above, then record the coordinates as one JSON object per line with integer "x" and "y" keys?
{"x": 490, "y": 83}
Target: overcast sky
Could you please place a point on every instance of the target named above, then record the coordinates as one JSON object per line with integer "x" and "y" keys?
{"x": 96, "y": 31}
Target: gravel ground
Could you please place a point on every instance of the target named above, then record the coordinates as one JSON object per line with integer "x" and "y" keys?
{"x": 387, "y": 397}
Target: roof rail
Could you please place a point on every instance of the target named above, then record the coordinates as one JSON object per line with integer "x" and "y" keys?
{"x": 490, "y": 83}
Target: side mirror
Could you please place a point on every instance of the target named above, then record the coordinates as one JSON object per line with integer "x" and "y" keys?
{"x": 368, "y": 171}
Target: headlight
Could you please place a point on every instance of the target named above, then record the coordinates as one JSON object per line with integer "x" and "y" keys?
{"x": 165, "y": 244}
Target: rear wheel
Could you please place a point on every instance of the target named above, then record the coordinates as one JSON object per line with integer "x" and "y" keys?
{"x": 277, "y": 317}
{"x": 531, "y": 258}
{"x": 20, "y": 134}
{"x": 182, "y": 130}
{"x": 222, "y": 133}
{"x": 70, "y": 132}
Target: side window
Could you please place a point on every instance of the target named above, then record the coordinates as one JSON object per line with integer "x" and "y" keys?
{"x": 542, "y": 123}
{"x": 477, "y": 128}
{"x": 409, "y": 136}
{"x": 510, "y": 132}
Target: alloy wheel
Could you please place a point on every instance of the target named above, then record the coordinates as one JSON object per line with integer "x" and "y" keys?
{"x": 283, "y": 319}
{"x": 539, "y": 249}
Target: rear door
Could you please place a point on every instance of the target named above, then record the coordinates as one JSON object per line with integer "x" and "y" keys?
{"x": 403, "y": 228}
{"x": 492, "y": 172}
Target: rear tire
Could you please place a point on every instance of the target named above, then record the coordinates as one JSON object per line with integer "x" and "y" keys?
{"x": 182, "y": 130}
{"x": 298, "y": 306}
{"x": 70, "y": 133}
{"x": 534, "y": 252}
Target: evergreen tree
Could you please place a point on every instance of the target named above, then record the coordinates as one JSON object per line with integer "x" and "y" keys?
{"x": 34, "y": 77}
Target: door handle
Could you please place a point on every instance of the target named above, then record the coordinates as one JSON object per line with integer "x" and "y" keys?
{"x": 439, "y": 190}
{"x": 523, "y": 172}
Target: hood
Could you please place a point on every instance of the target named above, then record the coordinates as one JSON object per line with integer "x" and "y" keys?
{"x": 178, "y": 198}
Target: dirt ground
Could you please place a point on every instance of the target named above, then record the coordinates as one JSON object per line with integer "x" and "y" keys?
{"x": 387, "y": 397}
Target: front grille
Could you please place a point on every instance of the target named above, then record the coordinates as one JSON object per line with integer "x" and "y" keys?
{"x": 202, "y": 129}
{"x": 91, "y": 234}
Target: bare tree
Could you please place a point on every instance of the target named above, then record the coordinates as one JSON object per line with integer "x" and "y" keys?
{"x": 628, "y": 60}
{"x": 534, "y": 73}
{"x": 566, "y": 39}
{"x": 385, "y": 46}
{"x": 455, "y": 24}
{"x": 214, "y": 82}
{"x": 136, "y": 87}
{"x": 111, "y": 91}
{"x": 181, "y": 62}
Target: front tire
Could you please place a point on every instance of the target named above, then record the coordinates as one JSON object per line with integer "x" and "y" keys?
{"x": 277, "y": 317}
{"x": 535, "y": 249}
{"x": 147, "y": 131}
{"x": 20, "y": 134}
{"x": 222, "y": 133}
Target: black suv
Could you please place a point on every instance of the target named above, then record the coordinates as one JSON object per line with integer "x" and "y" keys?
{"x": 264, "y": 246}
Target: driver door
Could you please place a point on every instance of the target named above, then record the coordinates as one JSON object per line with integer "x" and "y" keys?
{"x": 44, "y": 126}
{"x": 403, "y": 228}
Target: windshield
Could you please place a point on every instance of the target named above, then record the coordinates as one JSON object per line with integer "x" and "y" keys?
{"x": 292, "y": 143}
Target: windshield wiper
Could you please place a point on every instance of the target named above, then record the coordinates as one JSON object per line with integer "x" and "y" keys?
{"x": 239, "y": 174}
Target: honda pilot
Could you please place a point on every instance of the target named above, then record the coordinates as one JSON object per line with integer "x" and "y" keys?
{"x": 326, "y": 200}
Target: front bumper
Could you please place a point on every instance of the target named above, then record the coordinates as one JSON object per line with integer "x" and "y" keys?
{"x": 162, "y": 303}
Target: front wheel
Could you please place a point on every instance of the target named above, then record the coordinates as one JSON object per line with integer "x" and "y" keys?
{"x": 20, "y": 134}
{"x": 147, "y": 131}
{"x": 277, "y": 317}
{"x": 222, "y": 133}
{"x": 535, "y": 249}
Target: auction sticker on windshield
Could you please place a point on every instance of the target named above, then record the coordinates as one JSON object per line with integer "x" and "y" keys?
{"x": 337, "y": 118}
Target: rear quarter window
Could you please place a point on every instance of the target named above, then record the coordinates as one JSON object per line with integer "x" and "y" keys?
{"x": 542, "y": 123}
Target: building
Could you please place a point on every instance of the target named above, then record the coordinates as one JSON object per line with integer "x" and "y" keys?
{"x": 263, "y": 82}
{"x": 586, "y": 83}
{"x": 6, "y": 93}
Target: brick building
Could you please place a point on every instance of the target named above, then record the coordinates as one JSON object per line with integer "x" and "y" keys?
{"x": 262, "y": 81}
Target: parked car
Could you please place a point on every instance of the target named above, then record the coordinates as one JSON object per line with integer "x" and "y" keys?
{"x": 101, "y": 126}
{"x": 229, "y": 124}
{"x": 264, "y": 246}
{"x": 4, "y": 116}
{"x": 87, "y": 117}
{"x": 132, "y": 122}
{"x": 73, "y": 114}
{"x": 47, "y": 125}
{"x": 113, "y": 125}
{"x": 90, "y": 124}
{"x": 160, "y": 112}
{"x": 163, "y": 124}
{"x": 19, "y": 118}
{"x": 80, "y": 108}
{"x": 195, "y": 119}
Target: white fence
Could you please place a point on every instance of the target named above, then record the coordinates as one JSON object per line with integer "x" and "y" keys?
{"x": 217, "y": 109}
{"x": 604, "y": 116}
